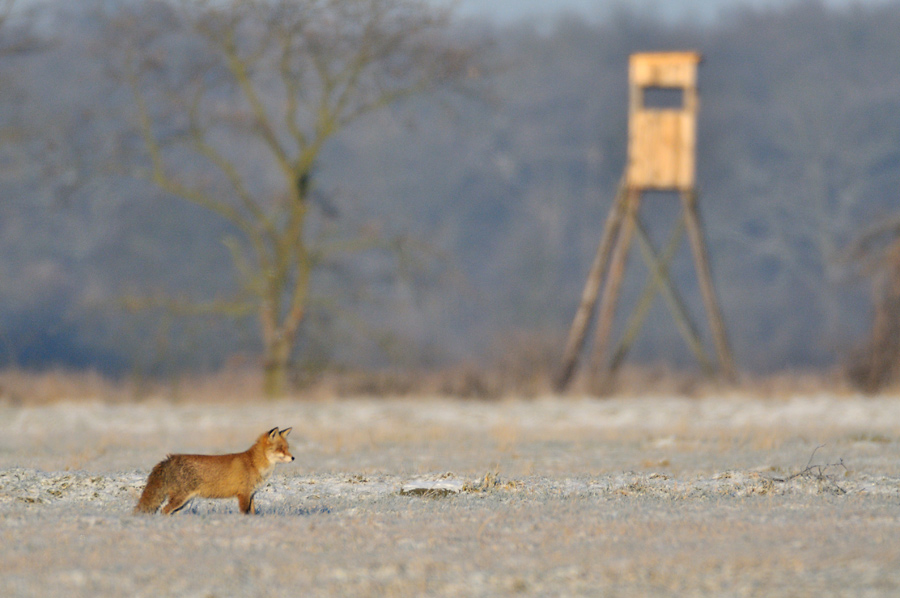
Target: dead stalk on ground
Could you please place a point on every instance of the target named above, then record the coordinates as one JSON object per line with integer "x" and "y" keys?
{"x": 817, "y": 472}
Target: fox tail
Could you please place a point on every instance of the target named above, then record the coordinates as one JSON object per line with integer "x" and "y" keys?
{"x": 154, "y": 493}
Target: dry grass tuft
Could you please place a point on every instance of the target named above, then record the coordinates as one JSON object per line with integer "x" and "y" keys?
{"x": 663, "y": 380}
{"x": 487, "y": 381}
{"x": 18, "y": 387}
{"x": 492, "y": 482}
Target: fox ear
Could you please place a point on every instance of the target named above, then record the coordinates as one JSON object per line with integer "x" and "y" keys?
{"x": 285, "y": 432}
{"x": 271, "y": 433}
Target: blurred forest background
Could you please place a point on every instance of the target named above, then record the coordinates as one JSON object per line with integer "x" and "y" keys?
{"x": 488, "y": 206}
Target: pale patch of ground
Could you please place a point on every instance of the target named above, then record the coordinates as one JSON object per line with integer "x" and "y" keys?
{"x": 659, "y": 496}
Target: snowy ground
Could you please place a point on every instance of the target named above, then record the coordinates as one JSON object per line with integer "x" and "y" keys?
{"x": 558, "y": 497}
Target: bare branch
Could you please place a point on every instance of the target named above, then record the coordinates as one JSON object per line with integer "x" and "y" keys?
{"x": 160, "y": 176}
{"x": 203, "y": 147}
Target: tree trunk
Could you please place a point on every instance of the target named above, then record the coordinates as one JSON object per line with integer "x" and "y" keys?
{"x": 276, "y": 362}
{"x": 880, "y": 363}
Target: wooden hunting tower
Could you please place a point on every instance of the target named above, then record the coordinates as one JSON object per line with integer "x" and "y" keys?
{"x": 662, "y": 135}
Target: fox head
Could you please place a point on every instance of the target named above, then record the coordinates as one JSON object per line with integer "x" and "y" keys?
{"x": 276, "y": 445}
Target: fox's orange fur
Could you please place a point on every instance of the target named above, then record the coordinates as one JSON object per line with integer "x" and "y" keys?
{"x": 182, "y": 477}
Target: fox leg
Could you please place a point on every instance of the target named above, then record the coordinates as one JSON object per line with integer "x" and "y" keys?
{"x": 245, "y": 503}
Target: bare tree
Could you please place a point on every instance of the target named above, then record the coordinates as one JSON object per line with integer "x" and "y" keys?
{"x": 877, "y": 252}
{"x": 222, "y": 87}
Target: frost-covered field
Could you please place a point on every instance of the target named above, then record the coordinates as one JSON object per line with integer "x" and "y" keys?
{"x": 557, "y": 497}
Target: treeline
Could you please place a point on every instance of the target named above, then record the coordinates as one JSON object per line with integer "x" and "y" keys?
{"x": 494, "y": 204}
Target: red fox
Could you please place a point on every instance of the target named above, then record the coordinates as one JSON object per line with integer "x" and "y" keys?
{"x": 182, "y": 477}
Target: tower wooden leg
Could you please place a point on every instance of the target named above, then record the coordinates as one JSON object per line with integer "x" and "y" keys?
{"x": 704, "y": 276}
{"x": 599, "y": 365}
{"x": 578, "y": 331}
